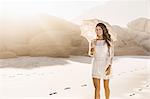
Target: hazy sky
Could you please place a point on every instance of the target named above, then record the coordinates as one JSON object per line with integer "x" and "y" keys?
{"x": 119, "y": 12}
{"x": 66, "y": 9}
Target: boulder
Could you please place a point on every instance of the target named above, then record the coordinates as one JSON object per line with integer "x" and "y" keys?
{"x": 140, "y": 24}
{"x": 41, "y": 35}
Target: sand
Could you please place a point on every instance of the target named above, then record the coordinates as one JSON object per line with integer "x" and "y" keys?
{"x": 70, "y": 78}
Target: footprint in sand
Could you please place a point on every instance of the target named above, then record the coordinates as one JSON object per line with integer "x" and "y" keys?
{"x": 147, "y": 86}
{"x": 67, "y": 88}
{"x": 11, "y": 76}
{"x": 83, "y": 85}
{"x": 131, "y": 71}
{"x": 140, "y": 89}
{"x": 53, "y": 93}
{"x": 135, "y": 69}
{"x": 123, "y": 72}
{"x": 19, "y": 74}
{"x": 27, "y": 74}
{"x": 119, "y": 74}
{"x": 41, "y": 74}
{"x": 132, "y": 94}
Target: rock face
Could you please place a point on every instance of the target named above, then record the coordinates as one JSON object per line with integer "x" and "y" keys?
{"x": 140, "y": 25}
{"x": 141, "y": 29}
{"x": 42, "y": 35}
{"x": 126, "y": 43}
{"x": 135, "y": 39}
{"x": 45, "y": 35}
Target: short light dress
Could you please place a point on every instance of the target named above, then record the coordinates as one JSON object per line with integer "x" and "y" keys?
{"x": 101, "y": 59}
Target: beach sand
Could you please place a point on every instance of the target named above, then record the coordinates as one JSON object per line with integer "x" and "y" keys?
{"x": 70, "y": 78}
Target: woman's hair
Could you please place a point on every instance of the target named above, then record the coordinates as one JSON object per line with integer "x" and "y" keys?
{"x": 106, "y": 35}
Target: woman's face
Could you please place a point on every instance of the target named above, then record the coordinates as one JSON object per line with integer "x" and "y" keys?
{"x": 99, "y": 31}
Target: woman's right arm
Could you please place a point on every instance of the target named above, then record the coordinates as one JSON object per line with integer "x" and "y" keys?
{"x": 91, "y": 48}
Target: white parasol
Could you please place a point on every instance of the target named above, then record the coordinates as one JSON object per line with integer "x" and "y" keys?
{"x": 88, "y": 29}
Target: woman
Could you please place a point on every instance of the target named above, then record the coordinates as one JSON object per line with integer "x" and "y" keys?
{"x": 102, "y": 51}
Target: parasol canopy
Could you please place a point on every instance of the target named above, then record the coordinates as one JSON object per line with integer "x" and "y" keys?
{"x": 88, "y": 29}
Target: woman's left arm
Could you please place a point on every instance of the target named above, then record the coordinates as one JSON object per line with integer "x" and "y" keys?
{"x": 111, "y": 52}
{"x": 110, "y": 58}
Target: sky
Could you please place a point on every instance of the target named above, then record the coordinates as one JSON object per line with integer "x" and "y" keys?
{"x": 119, "y": 12}
{"x": 66, "y": 9}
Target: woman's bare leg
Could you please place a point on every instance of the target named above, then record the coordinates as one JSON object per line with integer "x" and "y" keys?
{"x": 96, "y": 82}
{"x": 106, "y": 87}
